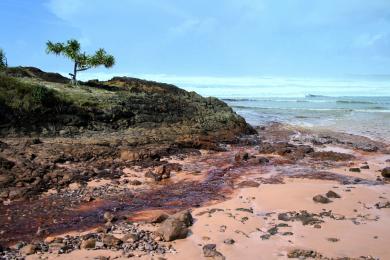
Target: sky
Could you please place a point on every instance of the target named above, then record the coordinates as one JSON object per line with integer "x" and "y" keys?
{"x": 197, "y": 40}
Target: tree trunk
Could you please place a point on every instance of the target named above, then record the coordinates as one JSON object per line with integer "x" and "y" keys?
{"x": 74, "y": 77}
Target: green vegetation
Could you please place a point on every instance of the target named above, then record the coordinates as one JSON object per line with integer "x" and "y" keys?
{"x": 3, "y": 60}
{"x": 26, "y": 97}
{"x": 72, "y": 50}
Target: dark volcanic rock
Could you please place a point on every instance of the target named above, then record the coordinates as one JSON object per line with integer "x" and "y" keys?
{"x": 332, "y": 156}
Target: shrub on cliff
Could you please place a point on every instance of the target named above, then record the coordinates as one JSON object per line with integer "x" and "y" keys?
{"x": 26, "y": 97}
{"x": 3, "y": 60}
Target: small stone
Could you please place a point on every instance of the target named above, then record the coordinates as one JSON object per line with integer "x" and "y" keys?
{"x": 365, "y": 167}
{"x": 111, "y": 241}
{"x": 273, "y": 231}
{"x": 109, "y": 217}
{"x": 88, "y": 244}
{"x": 28, "y": 249}
{"x": 321, "y": 199}
{"x": 210, "y": 250}
{"x": 354, "y": 169}
{"x": 229, "y": 241}
{"x": 333, "y": 239}
{"x": 332, "y": 194}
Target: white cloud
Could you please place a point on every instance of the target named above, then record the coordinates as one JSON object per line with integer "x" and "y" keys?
{"x": 369, "y": 39}
{"x": 65, "y": 9}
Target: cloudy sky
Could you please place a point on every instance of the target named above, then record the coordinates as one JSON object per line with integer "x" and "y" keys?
{"x": 204, "y": 38}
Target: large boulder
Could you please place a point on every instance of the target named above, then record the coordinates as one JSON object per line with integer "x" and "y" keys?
{"x": 175, "y": 226}
{"x": 172, "y": 229}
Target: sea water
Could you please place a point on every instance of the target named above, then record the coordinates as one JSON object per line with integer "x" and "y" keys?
{"x": 359, "y": 105}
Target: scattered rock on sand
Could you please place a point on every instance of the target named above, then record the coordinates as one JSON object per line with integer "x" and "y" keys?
{"x": 365, "y": 167}
{"x": 248, "y": 184}
{"x": 210, "y": 250}
{"x": 354, "y": 169}
{"x": 88, "y": 244}
{"x": 332, "y": 194}
{"x": 382, "y": 205}
{"x": 333, "y": 239}
{"x": 28, "y": 249}
{"x": 109, "y": 217}
{"x": 302, "y": 254}
{"x": 386, "y": 172}
{"x": 321, "y": 199}
{"x": 241, "y": 156}
{"x": 229, "y": 241}
{"x": 111, "y": 241}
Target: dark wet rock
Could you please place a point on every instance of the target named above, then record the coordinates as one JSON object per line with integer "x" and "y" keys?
{"x": 88, "y": 244}
{"x": 332, "y": 194}
{"x": 321, "y": 199}
{"x": 354, "y": 169}
{"x": 210, "y": 250}
{"x": 248, "y": 184}
{"x": 365, "y": 167}
{"x": 303, "y": 216}
{"x": 241, "y": 156}
{"x": 382, "y": 205}
{"x": 273, "y": 231}
{"x": 284, "y": 216}
{"x": 6, "y": 164}
{"x": 386, "y": 172}
{"x": 265, "y": 236}
{"x": 332, "y": 156}
{"x": 229, "y": 241}
{"x": 263, "y": 160}
{"x": 302, "y": 254}
{"x": 249, "y": 210}
{"x": 291, "y": 151}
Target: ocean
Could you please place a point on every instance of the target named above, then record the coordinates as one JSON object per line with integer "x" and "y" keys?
{"x": 355, "y": 105}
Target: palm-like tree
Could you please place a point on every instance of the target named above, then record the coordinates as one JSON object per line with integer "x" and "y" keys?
{"x": 72, "y": 50}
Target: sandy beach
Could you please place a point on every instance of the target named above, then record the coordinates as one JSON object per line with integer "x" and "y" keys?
{"x": 250, "y": 201}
